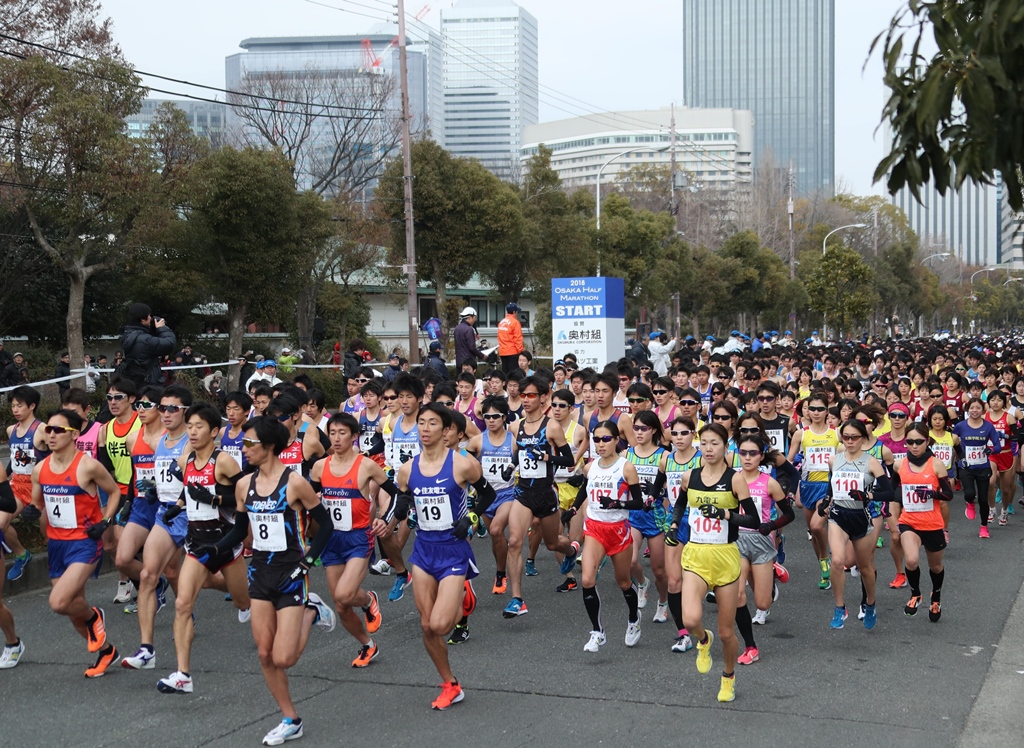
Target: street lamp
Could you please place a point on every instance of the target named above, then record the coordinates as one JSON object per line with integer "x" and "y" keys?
{"x": 850, "y": 226}
{"x": 1012, "y": 280}
{"x": 983, "y": 270}
{"x": 943, "y": 255}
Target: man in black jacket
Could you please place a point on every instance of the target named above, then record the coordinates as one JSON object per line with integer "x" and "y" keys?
{"x": 144, "y": 340}
{"x": 435, "y": 362}
{"x": 63, "y": 370}
{"x": 465, "y": 338}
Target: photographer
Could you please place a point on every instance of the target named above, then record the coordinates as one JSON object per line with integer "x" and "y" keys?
{"x": 144, "y": 340}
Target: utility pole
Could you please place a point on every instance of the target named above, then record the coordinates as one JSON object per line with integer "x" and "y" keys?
{"x": 674, "y": 207}
{"x": 790, "y": 209}
{"x": 874, "y": 232}
{"x": 412, "y": 302}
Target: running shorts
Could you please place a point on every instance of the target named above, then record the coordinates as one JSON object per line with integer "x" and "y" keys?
{"x": 566, "y": 495}
{"x": 932, "y": 540}
{"x": 811, "y": 492}
{"x": 62, "y": 553}
{"x": 266, "y": 582}
{"x": 854, "y": 522}
{"x": 756, "y": 548}
{"x": 541, "y": 501}
{"x": 21, "y": 485}
{"x": 614, "y": 537}
{"x": 142, "y": 513}
{"x": 177, "y": 529}
{"x": 1003, "y": 461}
{"x": 504, "y": 496}
{"x": 717, "y": 565}
{"x": 446, "y": 558}
{"x": 649, "y": 524}
{"x": 216, "y": 561}
{"x": 346, "y": 545}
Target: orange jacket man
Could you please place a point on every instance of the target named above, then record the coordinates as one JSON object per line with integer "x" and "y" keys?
{"x": 510, "y": 338}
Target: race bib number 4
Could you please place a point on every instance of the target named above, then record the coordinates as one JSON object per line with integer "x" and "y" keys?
{"x": 341, "y": 513}
{"x": 706, "y": 530}
{"x": 60, "y": 512}
{"x": 434, "y": 513}
{"x": 912, "y": 502}
{"x": 268, "y": 533}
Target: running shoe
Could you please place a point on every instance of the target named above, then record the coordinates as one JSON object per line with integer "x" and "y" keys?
{"x": 125, "y": 592}
{"x": 983, "y": 532}
{"x": 516, "y": 607}
{"x": 781, "y": 573}
{"x": 568, "y": 585}
{"x": 500, "y": 585}
{"x": 775, "y": 591}
{"x": 661, "y": 613}
{"x": 808, "y": 536}
{"x": 531, "y": 568}
{"x": 647, "y": 551}
{"x": 861, "y": 612}
{"x": 727, "y": 692}
{"x": 991, "y": 514}
{"x": 1010, "y": 508}
{"x": 570, "y": 561}
{"x": 899, "y": 581}
{"x": 286, "y": 730}
{"x": 11, "y": 656}
{"x": 683, "y": 643}
{"x": 371, "y": 614}
{"x": 451, "y": 693}
{"x": 969, "y": 511}
{"x": 749, "y": 657}
{"x": 244, "y": 615}
{"x": 132, "y": 607}
{"x": 760, "y": 617}
{"x": 934, "y": 611}
{"x": 96, "y": 632}
{"x": 105, "y": 659}
{"x": 870, "y": 616}
{"x": 228, "y": 598}
{"x": 633, "y": 631}
{"x": 710, "y": 597}
{"x": 161, "y": 594}
{"x": 826, "y": 568}
{"x": 398, "y": 589}
{"x": 144, "y": 659}
{"x": 704, "y": 654}
{"x": 176, "y": 682}
{"x": 854, "y": 572}
{"x": 1003, "y": 518}
{"x": 367, "y": 654}
{"x": 912, "y": 605}
{"x": 782, "y": 549}
{"x": 459, "y": 635}
{"x": 641, "y": 594}
{"x": 945, "y": 535}
{"x": 824, "y": 583}
{"x": 839, "y": 617}
{"x": 468, "y": 598}
{"x": 18, "y": 567}
{"x": 880, "y": 543}
{"x": 481, "y": 529}
{"x": 597, "y": 638}
{"x": 4, "y": 548}
{"x": 325, "y": 617}
{"x": 381, "y": 569}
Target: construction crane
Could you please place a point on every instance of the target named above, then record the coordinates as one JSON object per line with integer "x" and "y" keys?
{"x": 371, "y": 60}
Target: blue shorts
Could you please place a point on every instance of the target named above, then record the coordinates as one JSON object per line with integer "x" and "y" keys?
{"x": 103, "y": 496}
{"x": 346, "y": 545}
{"x": 504, "y": 496}
{"x": 874, "y": 509}
{"x": 649, "y": 524}
{"x": 811, "y": 492}
{"x": 62, "y": 553}
{"x": 178, "y": 528}
{"x": 446, "y": 558}
{"x": 143, "y": 513}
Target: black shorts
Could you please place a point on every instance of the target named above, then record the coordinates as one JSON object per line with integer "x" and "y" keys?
{"x": 932, "y": 540}
{"x": 854, "y": 522}
{"x": 271, "y": 583}
{"x": 543, "y": 502}
{"x": 216, "y": 561}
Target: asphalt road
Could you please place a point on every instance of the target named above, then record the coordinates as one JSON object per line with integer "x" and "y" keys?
{"x": 908, "y": 682}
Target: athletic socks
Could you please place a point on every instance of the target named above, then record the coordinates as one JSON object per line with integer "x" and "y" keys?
{"x": 675, "y": 606}
{"x": 632, "y": 602}
{"x": 914, "y": 580}
{"x": 937, "y": 577}
{"x": 745, "y": 625}
{"x": 592, "y": 602}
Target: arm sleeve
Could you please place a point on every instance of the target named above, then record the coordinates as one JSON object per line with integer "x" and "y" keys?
{"x": 788, "y": 476}
{"x": 564, "y": 457}
{"x": 581, "y": 495}
{"x": 945, "y": 490}
{"x": 636, "y": 497}
{"x": 485, "y": 495}
{"x": 883, "y": 489}
{"x": 389, "y": 487}
{"x": 236, "y": 534}
{"x": 659, "y": 483}
{"x": 679, "y": 509}
{"x": 748, "y": 517}
{"x": 786, "y": 514}
{"x": 104, "y": 458}
{"x": 7, "y": 500}
{"x": 323, "y": 534}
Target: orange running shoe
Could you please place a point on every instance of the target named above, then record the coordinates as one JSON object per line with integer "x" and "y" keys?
{"x": 468, "y": 599}
{"x": 104, "y": 661}
{"x": 372, "y": 617}
{"x": 367, "y": 654}
{"x": 500, "y": 585}
{"x": 96, "y": 632}
{"x": 451, "y": 693}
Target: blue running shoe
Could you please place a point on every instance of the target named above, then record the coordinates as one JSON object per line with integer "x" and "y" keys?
{"x": 398, "y": 590}
{"x": 782, "y": 549}
{"x": 570, "y": 561}
{"x": 18, "y": 567}
{"x": 531, "y": 568}
{"x": 870, "y": 616}
{"x": 839, "y": 617}
{"x": 1010, "y": 509}
{"x": 516, "y": 607}
{"x": 161, "y": 594}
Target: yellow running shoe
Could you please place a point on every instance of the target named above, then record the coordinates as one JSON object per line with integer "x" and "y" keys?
{"x": 728, "y": 690}
{"x": 704, "y": 654}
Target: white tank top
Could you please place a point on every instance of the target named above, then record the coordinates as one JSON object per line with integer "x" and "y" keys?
{"x": 606, "y": 482}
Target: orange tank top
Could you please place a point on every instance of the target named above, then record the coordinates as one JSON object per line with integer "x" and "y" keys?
{"x": 349, "y": 509}
{"x": 70, "y": 510}
{"x": 918, "y": 513}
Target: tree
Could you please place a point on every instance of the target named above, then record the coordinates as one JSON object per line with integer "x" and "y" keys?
{"x": 841, "y": 289}
{"x": 956, "y": 115}
{"x": 759, "y": 279}
{"x": 251, "y": 232}
{"x": 647, "y": 187}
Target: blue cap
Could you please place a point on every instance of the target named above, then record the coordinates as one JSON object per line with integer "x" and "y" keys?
{"x": 655, "y": 335}
{"x": 808, "y": 340}
{"x": 269, "y": 362}
{"x": 689, "y": 338}
{"x": 735, "y": 333}
{"x": 435, "y": 345}
{"x": 788, "y": 332}
{"x": 710, "y": 337}
{"x": 260, "y": 364}
{"x": 746, "y": 337}
{"x": 814, "y": 333}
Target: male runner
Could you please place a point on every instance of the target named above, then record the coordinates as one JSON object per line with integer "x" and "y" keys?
{"x": 27, "y": 445}
{"x": 14, "y": 647}
{"x": 236, "y": 410}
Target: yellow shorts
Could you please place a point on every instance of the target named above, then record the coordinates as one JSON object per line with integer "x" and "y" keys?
{"x": 566, "y": 495}
{"x": 717, "y": 565}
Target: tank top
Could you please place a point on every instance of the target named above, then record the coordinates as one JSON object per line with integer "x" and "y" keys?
{"x": 850, "y": 475}
{"x": 276, "y": 527}
{"x": 777, "y": 430}
{"x": 898, "y": 447}
{"x": 1000, "y": 424}
{"x": 404, "y": 443}
{"x": 762, "y": 500}
{"x": 921, "y": 514}
{"x": 954, "y": 404}
{"x": 606, "y": 482}
{"x": 563, "y": 474}
{"x": 672, "y": 414}
{"x": 70, "y": 510}
{"x": 494, "y": 459}
{"x": 206, "y": 524}
{"x": 470, "y": 413}
{"x": 621, "y": 405}
{"x": 674, "y": 474}
{"x": 168, "y": 487}
{"x": 440, "y": 501}
{"x": 818, "y": 450}
{"x": 387, "y": 434}
{"x": 143, "y": 460}
{"x": 88, "y": 440}
{"x": 291, "y": 456}
{"x": 117, "y": 449}
{"x": 23, "y": 451}
{"x": 943, "y": 448}
{"x": 614, "y": 418}
{"x": 369, "y": 438}
{"x": 646, "y": 467}
{"x": 533, "y": 473}
{"x": 704, "y": 530}
{"x": 233, "y": 446}
{"x": 344, "y": 499}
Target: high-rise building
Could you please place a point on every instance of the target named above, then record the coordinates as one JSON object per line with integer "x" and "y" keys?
{"x": 490, "y": 80}
{"x": 775, "y": 58}
{"x": 207, "y": 120}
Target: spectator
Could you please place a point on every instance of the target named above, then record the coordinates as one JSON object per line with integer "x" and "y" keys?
{"x": 101, "y": 364}
{"x": 92, "y": 375}
{"x": 465, "y": 338}
{"x": 435, "y": 362}
{"x": 661, "y": 349}
{"x": 144, "y": 340}
{"x": 22, "y": 367}
{"x": 63, "y": 370}
{"x": 354, "y": 360}
{"x": 5, "y": 357}
{"x": 187, "y": 359}
{"x": 245, "y": 369}
{"x": 393, "y": 369}
{"x": 510, "y": 338}
{"x": 287, "y": 359}
{"x": 639, "y": 353}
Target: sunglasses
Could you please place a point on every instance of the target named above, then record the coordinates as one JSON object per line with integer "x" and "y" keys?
{"x": 362, "y": 381}
{"x": 604, "y": 439}
{"x": 688, "y": 403}
{"x": 916, "y": 442}
{"x": 170, "y": 408}
{"x": 116, "y": 398}
{"x": 680, "y": 433}
{"x": 721, "y": 417}
{"x": 445, "y": 403}
{"x": 750, "y": 430}
{"x": 658, "y": 393}
{"x": 529, "y": 395}
{"x": 959, "y": 368}
{"x": 388, "y": 398}
{"x": 749, "y": 453}
{"x": 637, "y": 400}
{"x": 817, "y": 408}
{"x": 559, "y": 406}
{"x": 250, "y": 443}
{"x": 641, "y": 428}
{"x": 143, "y": 405}
{"x": 851, "y": 437}
{"x": 765, "y": 398}
{"x": 897, "y": 414}
{"x": 285, "y": 417}
{"x": 58, "y": 429}
{"x": 492, "y": 416}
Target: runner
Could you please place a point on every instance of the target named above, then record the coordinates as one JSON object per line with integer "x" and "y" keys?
{"x": 684, "y": 457}
{"x": 236, "y": 408}
{"x": 14, "y": 647}
{"x": 67, "y": 482}
{"x": 567, "y": 479}
{"x": 649, "y": 522}
{"x": 405, "y": 445}
{"x": 27, "y": 446}
{"x": 895, "y": 440}
{"x": 978, "y": 440}
{"x": 1003, "y": 461}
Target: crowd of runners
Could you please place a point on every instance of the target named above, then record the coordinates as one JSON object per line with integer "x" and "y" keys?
{"x": 693, "y": 474}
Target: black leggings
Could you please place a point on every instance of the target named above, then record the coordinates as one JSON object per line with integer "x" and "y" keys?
{"x": 976, "y": 487}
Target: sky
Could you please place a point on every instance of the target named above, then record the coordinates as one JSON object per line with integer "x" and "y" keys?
{"x": 609, "y": 54}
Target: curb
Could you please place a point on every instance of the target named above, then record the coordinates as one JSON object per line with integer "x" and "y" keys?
{"x": 37, "y": 574}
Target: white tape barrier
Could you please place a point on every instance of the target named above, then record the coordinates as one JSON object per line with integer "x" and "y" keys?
{"x": 81, "y": 372}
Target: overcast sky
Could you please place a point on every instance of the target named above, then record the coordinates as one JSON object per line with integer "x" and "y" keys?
{"x": 608, "y": 53}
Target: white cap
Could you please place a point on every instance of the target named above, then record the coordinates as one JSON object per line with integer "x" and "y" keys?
{"x": 468, "y": 312}
{"x": 286, "y": 349}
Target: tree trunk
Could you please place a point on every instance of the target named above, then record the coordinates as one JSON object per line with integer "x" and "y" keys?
{"x": 695, "y": 324}
{"x": 236, "y": 332}
{"x": 76, "y": 302}
{"x": 305, "y": 310}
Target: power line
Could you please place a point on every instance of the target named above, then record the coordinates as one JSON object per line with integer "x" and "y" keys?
{"x": 352, "y": 12}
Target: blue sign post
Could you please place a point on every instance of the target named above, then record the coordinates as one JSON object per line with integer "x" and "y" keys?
{"x": 588, "y": 319}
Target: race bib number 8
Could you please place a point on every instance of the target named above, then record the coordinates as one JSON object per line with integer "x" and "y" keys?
{"x": 341, "y": 513}
{"x": 268, "y": 533}
{"x": 706, "y": 530}
{"x": 60, "y": 512}
{"x": 434, "y": 513}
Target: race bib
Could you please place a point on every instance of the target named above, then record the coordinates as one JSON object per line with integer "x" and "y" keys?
{"x": 168, "y": 486}
{"x": 777, "y": 438}
{"x": 60, "y": 511}
{"x": 975, "y": 455}
{"x": 674, "y": 485}
{"x": 647, "y": 473}
{"x": 492, "y": 466}
{"x": 944, "y": 453}
{"x": 366, "y": 441}
{"x": 531, "y": 468}
{"x": 846, "y": 481}
{"x": 434, "y": 513}
{"x": 145, "y": 473}
{"x": 268, "y": 533}
{"x": 816, "y": 458}
{"x": 236, "y": 454}
{"x": 199, "y": 512}
{"x": 914, "y": 503}
{"x": 341, "y": 513}
{"x": 708, "y": 531}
